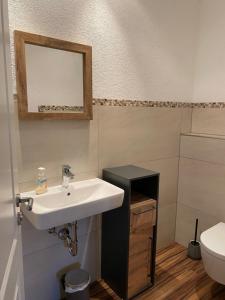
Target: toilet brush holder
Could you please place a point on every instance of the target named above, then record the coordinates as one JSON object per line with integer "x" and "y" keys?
{"x": 194, "y": 247}
{"x": 194, "y": 250}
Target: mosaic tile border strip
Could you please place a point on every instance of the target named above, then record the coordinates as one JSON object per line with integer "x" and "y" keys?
{"x": 60, "y": 108}
{"x": 139, "y": 103}
{"x": 208, "y": 105}
{"x": 149, "y": 103}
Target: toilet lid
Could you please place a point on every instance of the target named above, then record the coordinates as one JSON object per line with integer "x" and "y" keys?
{"x": 214, "y": 240}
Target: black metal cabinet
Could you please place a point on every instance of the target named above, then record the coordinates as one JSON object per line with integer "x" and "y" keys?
{"x": 140, "y": 186}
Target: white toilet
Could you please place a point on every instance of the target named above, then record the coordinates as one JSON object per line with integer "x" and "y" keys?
{"x": 213, "y": 252}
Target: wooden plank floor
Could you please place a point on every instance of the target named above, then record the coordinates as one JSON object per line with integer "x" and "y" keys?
{"x": 177, "y": 277}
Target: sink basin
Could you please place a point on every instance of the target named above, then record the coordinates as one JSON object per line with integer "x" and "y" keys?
{"x": 80, "y": 200}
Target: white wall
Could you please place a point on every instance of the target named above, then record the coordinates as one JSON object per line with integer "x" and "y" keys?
{"x": 141, "y": 49}
{"x": 209, "y": 83}
{"x": 158, "y": 50}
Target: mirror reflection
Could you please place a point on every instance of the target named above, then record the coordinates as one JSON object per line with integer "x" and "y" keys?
{"x": 54, "y": 80}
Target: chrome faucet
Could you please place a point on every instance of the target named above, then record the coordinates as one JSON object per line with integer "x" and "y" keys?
{"x": 66, "y": 176}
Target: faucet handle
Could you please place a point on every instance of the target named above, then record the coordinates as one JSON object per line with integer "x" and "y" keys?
{"x": 66, "y": 167}
{"x": 66, "y": 171}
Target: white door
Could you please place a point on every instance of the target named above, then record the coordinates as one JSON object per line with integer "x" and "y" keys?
{"x": 11, "y": 273}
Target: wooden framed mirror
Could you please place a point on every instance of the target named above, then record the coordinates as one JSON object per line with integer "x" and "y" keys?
{"x": 54, "y": 78}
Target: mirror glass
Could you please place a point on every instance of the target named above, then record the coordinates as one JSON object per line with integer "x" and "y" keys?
{"x": 54, "y": 80}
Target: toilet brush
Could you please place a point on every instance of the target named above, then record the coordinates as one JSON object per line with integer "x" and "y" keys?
{"x": 196, "y": 231}
{"x": 194, "y": 249}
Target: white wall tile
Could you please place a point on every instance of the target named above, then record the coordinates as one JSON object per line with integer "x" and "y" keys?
{"x": 185, "y": 223}
{"x": 201, "y": 190}
{"x": 186, "y": 125}
{"x": 202, "y": 186}
{"x": 209, "y": 121}
{"x": 129, "y": 135}
{"x": 31, "y": 185}
{"x": 36, "y": 240}
{"x": 203, "y": 148}
{"x": 148, "y": 137}
{"x": 166, "y": 225}
{"x": 52, "y": 143}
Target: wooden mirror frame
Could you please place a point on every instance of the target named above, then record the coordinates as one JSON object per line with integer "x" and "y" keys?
{"x": 21, "y": 38}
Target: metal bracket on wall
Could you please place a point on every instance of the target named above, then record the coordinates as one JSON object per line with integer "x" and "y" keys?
{"x": 29, "y": 205}
{"x": 28, "y": 200}
{"x": 19, "y": 218}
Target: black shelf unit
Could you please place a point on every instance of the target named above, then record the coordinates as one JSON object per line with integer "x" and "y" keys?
{"x": 116, "y": 225}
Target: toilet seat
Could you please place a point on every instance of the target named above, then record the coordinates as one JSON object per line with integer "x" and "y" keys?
{"x": 213, "y": 240}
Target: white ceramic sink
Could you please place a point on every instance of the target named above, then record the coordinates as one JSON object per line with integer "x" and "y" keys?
{"x": 80, "y": 200}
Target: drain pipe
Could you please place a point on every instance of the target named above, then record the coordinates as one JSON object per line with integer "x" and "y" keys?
{"x": 73, "y": 244}
{"x": 68, "y": 234}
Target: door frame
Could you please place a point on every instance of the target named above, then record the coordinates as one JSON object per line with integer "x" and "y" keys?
{"x": 12, "y": 285}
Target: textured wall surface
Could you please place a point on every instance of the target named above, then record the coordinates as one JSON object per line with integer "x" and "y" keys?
{"x": 141, "y": 49}
{"x": 210, "y": 55}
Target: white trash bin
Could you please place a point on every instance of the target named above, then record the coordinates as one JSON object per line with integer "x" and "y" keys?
{"x": 77, "y": 285}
